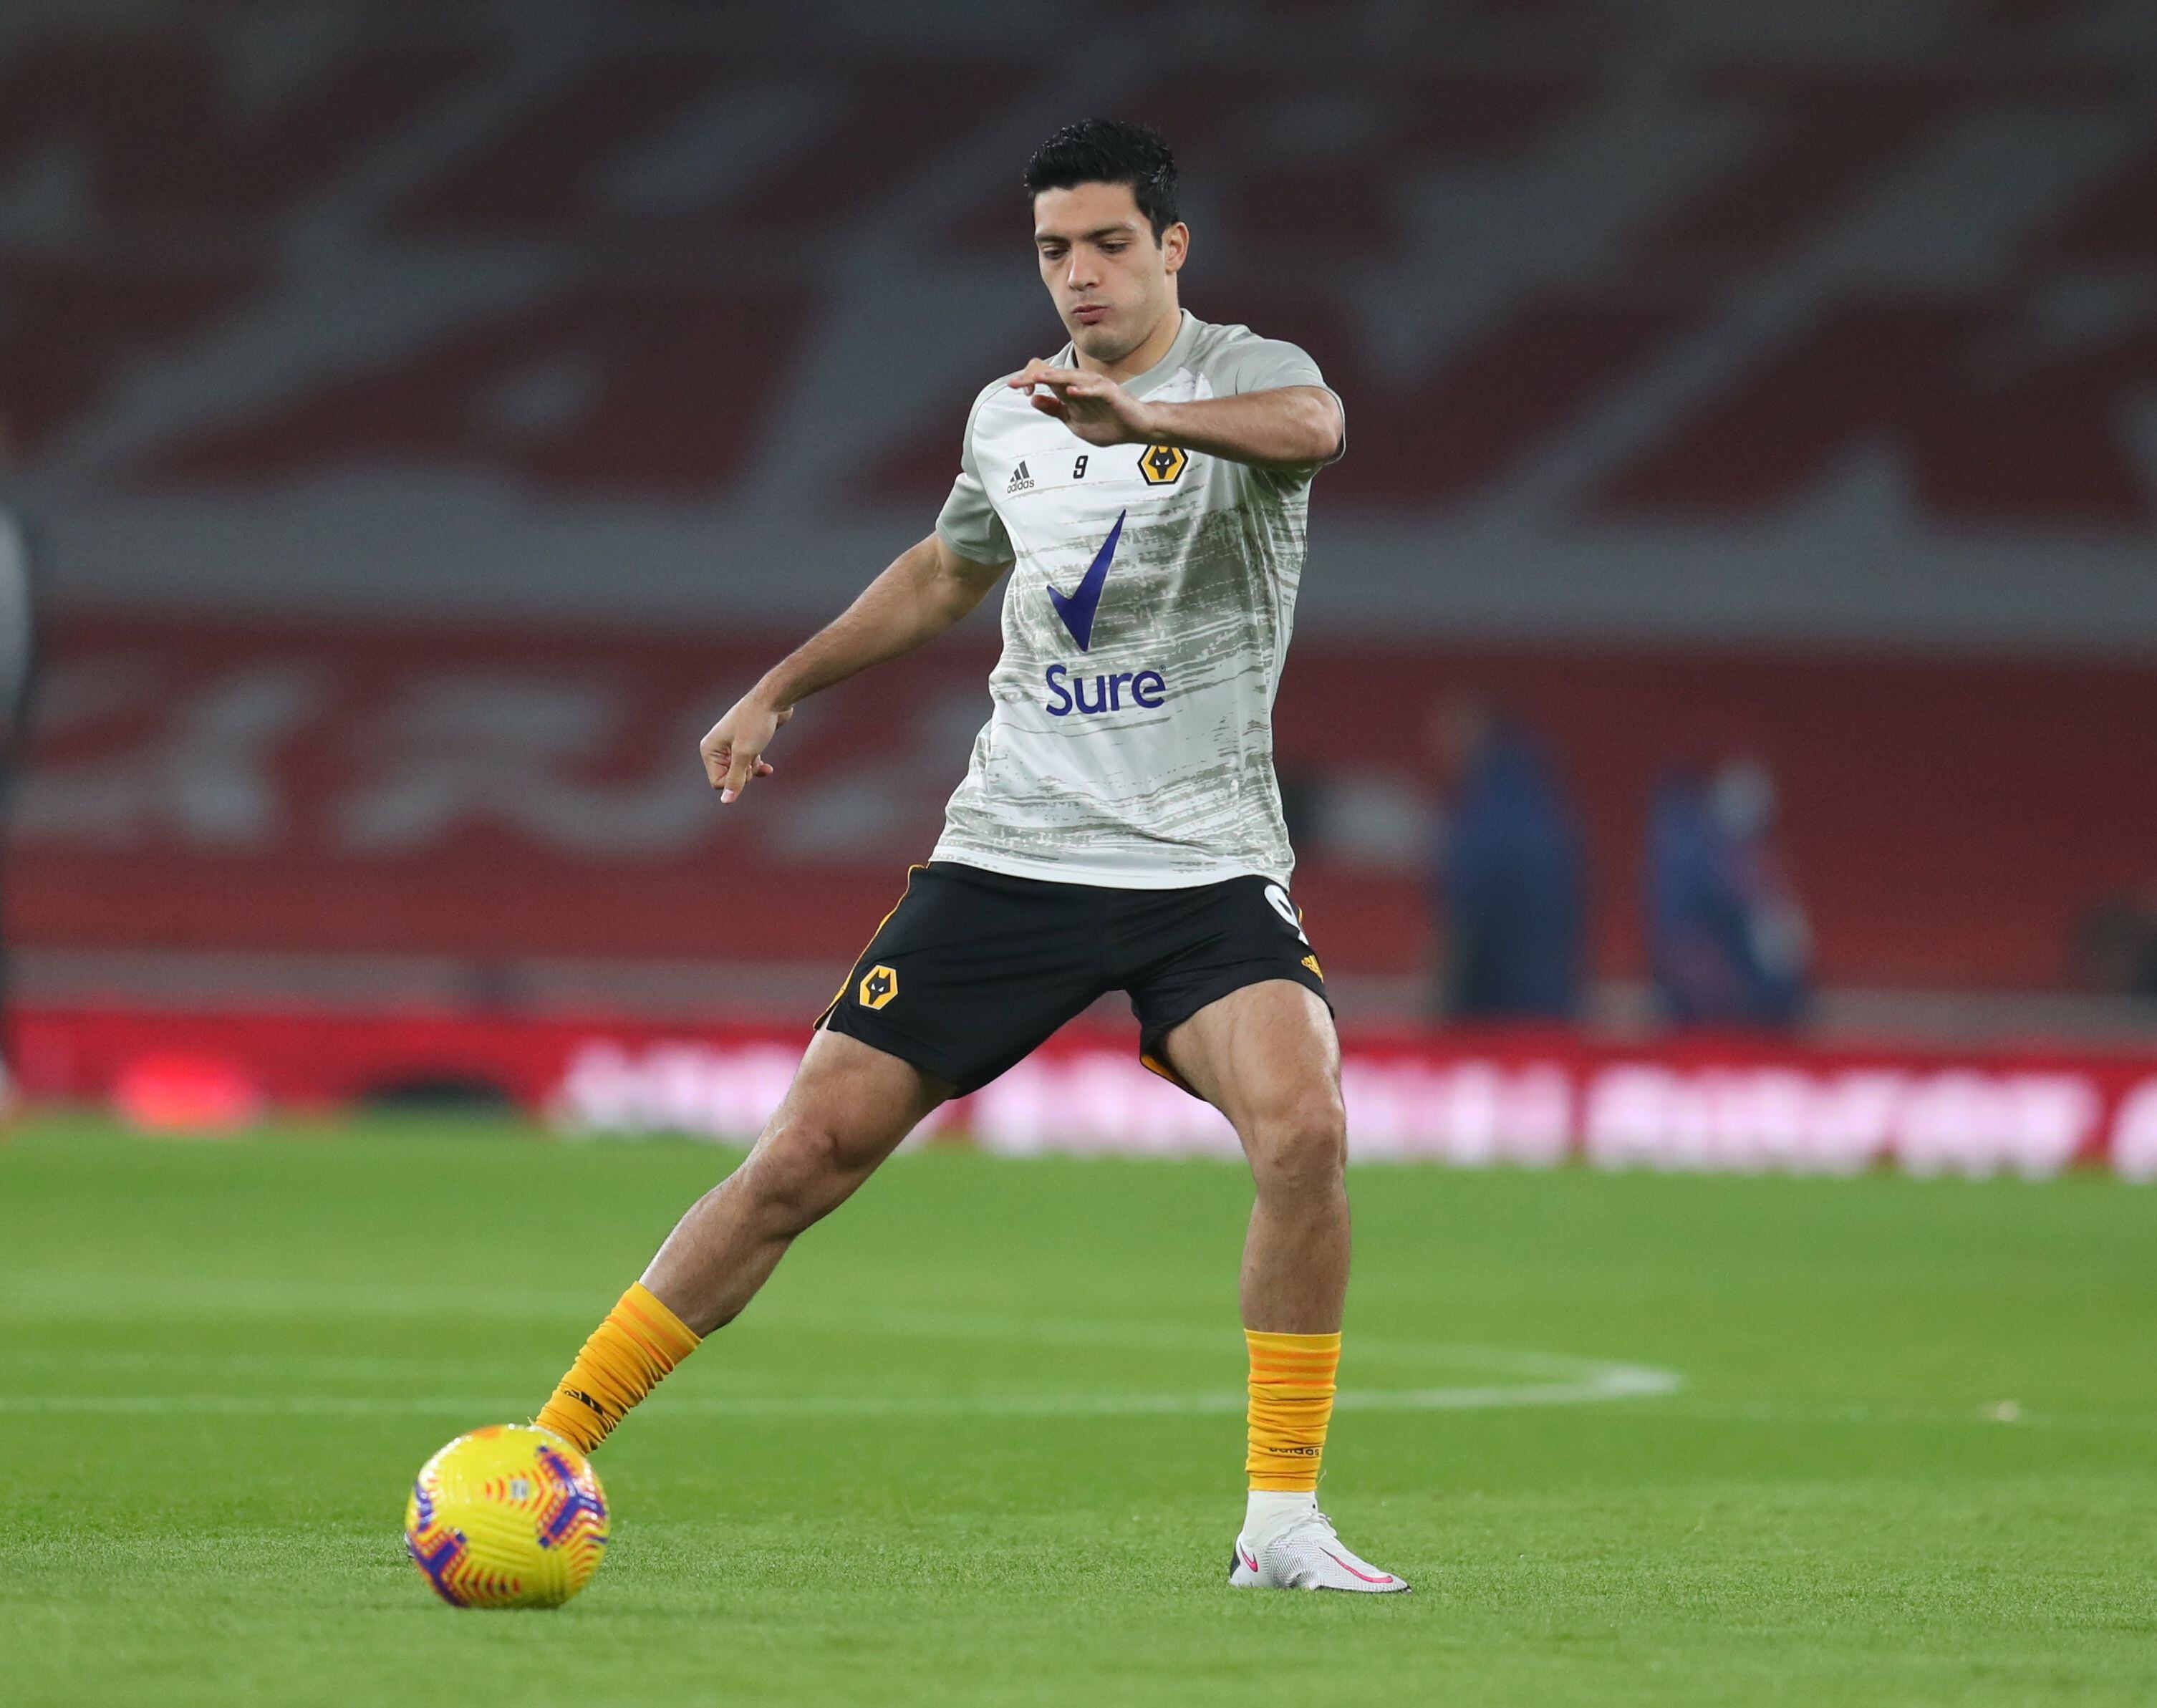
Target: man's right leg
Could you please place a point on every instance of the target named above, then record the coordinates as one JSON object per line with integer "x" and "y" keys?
{"x": 849, "y": 1107}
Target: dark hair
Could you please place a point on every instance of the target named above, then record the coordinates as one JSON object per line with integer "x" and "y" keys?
{"x": 1110, "y": 151}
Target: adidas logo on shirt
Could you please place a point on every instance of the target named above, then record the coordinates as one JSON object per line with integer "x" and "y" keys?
{"x": 1021, "y": 481}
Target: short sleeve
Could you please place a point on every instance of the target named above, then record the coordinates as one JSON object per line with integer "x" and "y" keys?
{"x": 1269, "y": 364}
{"x": 968, "y": 523}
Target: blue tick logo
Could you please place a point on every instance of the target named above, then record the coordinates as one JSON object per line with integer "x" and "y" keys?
{"x": 1077, "y": 607}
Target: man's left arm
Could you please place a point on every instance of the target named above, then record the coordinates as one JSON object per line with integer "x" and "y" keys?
{"x": 1289, "y": 427}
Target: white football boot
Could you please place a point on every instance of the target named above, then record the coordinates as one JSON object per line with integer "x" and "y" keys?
{"x": 1305, "y": 1554}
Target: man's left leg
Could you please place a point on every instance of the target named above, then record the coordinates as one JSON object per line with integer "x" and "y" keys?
{"x": 1267, "y": 1056}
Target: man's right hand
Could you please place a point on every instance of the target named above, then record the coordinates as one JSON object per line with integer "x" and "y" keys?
{"x": 733, "y": 751}
{"x": 927, "y": 588}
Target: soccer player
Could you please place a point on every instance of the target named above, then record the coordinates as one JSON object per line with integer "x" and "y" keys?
{"x": 1119, "y": 828}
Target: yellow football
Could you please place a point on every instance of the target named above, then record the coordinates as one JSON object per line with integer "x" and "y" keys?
{"x": 509, "y": 1516}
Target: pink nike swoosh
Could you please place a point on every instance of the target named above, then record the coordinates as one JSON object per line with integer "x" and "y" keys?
{"x": 1246, "y": 1559}
{"x": 1382, "y": 1577}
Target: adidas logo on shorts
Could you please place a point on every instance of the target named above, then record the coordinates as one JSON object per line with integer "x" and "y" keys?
{"x": 1021, "y": 481}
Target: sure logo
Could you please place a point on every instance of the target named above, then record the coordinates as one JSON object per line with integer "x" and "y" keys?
{"x": 1067, "y": 693}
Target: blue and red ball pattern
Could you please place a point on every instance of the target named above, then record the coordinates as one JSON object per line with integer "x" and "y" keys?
{"x": 509, "y": 1516}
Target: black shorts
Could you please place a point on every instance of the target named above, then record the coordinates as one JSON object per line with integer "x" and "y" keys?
{"x": 974, "y": 969}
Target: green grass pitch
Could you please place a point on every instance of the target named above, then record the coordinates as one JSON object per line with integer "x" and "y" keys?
{"x": 979, "y": 1442}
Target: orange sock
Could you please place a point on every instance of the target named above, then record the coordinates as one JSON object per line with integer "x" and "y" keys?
{"x": 1291, "y": 1404}
{"x": 626, "y": 1357}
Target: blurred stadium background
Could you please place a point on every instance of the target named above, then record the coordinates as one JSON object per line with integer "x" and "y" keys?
{"x": 430, "y": 416}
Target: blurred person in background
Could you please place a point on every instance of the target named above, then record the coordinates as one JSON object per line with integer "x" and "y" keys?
{"x": 1507, "y": 882}
{"x": 2115, "y": 945}
{"x": 1729, "y": 944}
{"x": 17, "y": 653}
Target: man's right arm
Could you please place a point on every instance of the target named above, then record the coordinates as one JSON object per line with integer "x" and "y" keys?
{"x": 927, "y": 588}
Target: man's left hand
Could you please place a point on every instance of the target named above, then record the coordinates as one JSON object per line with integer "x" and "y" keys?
{"x": 1095, "y": 408}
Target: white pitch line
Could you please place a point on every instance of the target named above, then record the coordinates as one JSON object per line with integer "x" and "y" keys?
{"x": 1597, "y": 1382}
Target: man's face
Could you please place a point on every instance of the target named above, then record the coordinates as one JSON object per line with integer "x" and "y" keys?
{"x": 1110, "y": 280}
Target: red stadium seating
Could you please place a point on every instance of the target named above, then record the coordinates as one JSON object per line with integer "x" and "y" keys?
{"x": 1788, "y": 393}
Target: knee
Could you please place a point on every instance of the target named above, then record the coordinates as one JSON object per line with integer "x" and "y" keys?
{"x": 797, "y": 1173}
{"x": 1301, "y": 1146}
